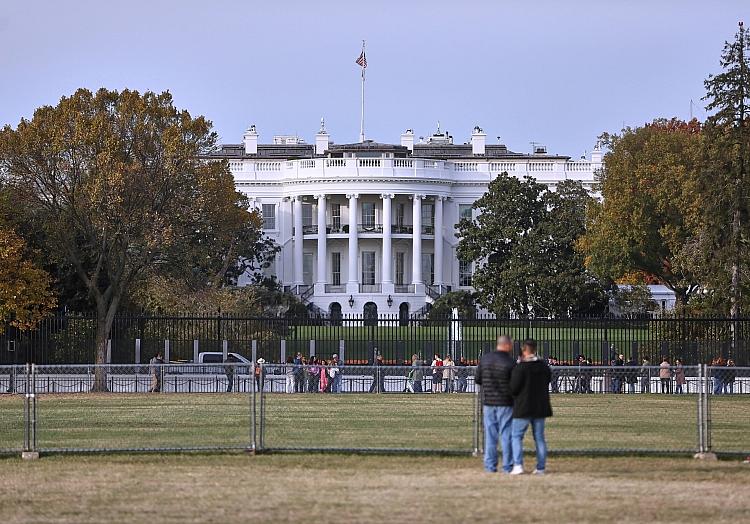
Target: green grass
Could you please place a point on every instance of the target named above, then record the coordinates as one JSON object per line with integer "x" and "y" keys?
{"x": 648, "y": 422}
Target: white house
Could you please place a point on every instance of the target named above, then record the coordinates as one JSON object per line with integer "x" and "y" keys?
{"x": 370, "y": 227}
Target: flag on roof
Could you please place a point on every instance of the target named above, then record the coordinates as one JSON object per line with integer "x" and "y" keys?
{"x": 362, "y": 60}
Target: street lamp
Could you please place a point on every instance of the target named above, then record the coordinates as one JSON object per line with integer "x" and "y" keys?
{"x": 389, "y": 301}
{"x": 351, "y": 301}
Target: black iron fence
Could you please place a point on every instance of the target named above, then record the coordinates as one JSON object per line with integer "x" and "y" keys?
{"x": 70, "y": 338}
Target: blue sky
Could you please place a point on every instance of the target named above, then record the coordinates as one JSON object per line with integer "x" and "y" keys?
{"x": 553, "y": 72}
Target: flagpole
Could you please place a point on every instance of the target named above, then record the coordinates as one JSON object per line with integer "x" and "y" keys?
{"x": 362, "y": 114}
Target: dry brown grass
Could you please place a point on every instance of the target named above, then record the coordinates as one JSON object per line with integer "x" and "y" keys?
{"x": 341, "y": 488}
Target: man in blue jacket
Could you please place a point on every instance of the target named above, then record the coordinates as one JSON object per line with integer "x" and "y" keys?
{"x": 529, "y": 384}
{"x": 493, "y": 375}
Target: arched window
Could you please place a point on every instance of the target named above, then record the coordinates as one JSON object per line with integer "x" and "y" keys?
{"x": 403, "y": 314}
{"x": 370, "y": 313}
{"x": 334, "y": 310}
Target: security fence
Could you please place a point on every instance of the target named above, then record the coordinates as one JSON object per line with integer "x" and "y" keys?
{"x": 134, "y": 339}
{"x": 376, "y": 408}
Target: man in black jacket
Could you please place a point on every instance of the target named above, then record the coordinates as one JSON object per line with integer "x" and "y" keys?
{"x": 493, "y": 375}
{"x": 529, "y": 384}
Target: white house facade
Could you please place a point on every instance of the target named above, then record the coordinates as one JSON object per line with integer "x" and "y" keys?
{"x": 371, "y": 227}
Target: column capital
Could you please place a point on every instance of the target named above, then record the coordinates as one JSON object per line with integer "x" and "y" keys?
{"x": 441, "y": 197}
{"x": 385, "y": 196}
{"x": 417, "y": 197}
{"x": 352, "y": 195}
{"x": 320, "y": 197}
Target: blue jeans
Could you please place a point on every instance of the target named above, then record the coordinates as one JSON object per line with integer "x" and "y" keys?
{"x": 519, "y": 430}
{"x": 336, "y": 383}
{"x": 497, "y": 421}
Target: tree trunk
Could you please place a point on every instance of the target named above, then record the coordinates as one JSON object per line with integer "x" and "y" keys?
{"x": 104, "y": 319}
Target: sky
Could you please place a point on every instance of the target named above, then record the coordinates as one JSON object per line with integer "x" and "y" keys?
{"x": 554, "y": 72}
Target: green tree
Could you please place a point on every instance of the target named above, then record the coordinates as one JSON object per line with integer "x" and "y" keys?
{"x": 728, "y": 130}
{"x": 522, "y": 244}
{"x": 116, "y": 184}
{"x": 463, "y": 300}
{"x": 651, "y": 218}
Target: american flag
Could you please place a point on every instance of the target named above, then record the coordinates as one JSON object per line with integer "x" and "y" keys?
{"x": 362, "y": 60}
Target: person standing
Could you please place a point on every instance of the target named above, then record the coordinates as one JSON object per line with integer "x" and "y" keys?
{"x": 229, "y": 371}
{"x": 335, "y": 373}
{"x": 155, "y": 370}
{"x": 493, "y": 375}
{"x": 665, "y": 375}
{"x": 260, "y": 373}
{"x": 646, "y": 376}
{"x": 290, "y": 374}
{"x": 437, "y": 374}
{"x": 299, "y": 374}
{"x": 462, "y": 374}
{"x": 449, "y": 374}
{"x": 679, "y": 377}
{"x": 730, "y": 375}
{"x": 418, "y": 375}
{"x": 529, "y": 385}
{"x": 631, "y": 374}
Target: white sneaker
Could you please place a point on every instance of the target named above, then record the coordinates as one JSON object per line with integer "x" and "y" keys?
{"x": 517, "y": 470}
{"x": 538, "y": 472}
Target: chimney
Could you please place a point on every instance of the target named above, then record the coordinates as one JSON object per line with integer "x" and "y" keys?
{"x": 478, "y": 141}
{"x": 251, "y": 140}
{"x": 596, "y": 154}
{"x": 407, "y": 140}
{"x": 321, "y": 139}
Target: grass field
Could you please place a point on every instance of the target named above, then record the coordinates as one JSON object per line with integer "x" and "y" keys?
{"x": 445, "y": 422}
{"x": 229, "y": 488}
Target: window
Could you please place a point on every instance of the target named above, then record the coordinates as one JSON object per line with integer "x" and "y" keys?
{"x": 368, "y": 268}
{"x": 464, "y": 211}
{"x": 428, "y": 268}
{"x": 368, "y": 214}
{"x": 336, "y": 217}
{"x": 400, "y": 213}
{"x": 428, "y": 218}
{"x": 336, "y": 268}
{"x": 269, "y": 216}
{"x": 400, "y": 277}
{"x": 307, "y": 214}
{"x": 307, "y": 268}
{"x": 464, "y": 273}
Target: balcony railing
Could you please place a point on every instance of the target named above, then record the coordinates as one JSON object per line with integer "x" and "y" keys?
{"x": 402, "y": 229}
{"x": 335, "y": 288}
{"x": 370, "y": 228}
{"x": 428, "y": 230}
{"x": 404, "y": 288}
{"x": 369, "y": 288}
{"x": 309, "y": 230}
{"x": 337, "y": 228}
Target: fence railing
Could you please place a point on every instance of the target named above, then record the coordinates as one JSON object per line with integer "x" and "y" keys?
{"x": 134, "y": 339}
{"x": 295, "y": 407}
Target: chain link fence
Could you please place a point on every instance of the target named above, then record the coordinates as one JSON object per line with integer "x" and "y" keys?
{"x": 373, "y": 408}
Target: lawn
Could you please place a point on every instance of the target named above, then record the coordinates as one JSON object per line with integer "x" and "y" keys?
{"x": 240, "y": 488}
{"x": 441, "y": 422}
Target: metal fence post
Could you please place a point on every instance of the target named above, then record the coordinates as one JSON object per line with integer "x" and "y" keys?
{"x": 475, "y": 422}
{"x": 27, "y": 412}
{"x": 33, "y": 408}
{"x": 196, "y": 351}
{"x": 261, "y": 389}
{"x": 138, "y": 351}
{"x": 707, "y": 411}
{"x": 701, "y": 436}
{"x": 253, "y": 443}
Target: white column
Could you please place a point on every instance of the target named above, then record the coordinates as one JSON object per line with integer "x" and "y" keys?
{"x": 322, "y": 277}
{"x": 416, "y": 253}
{"x": 298, "y": 237}
{"x": 438, "y": 240}
{"x": 352, "y": 284}
{"x": 386, "y": 276}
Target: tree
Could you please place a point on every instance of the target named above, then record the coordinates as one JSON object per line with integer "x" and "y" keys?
{"x": 118, "y": 187}
{"x": 25, "y": 290}
{"x": 522, "y": 244}
{"x": 463, "y": 300}
{"x": 728, "y": 95}
{"x": 651, "y": 218}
